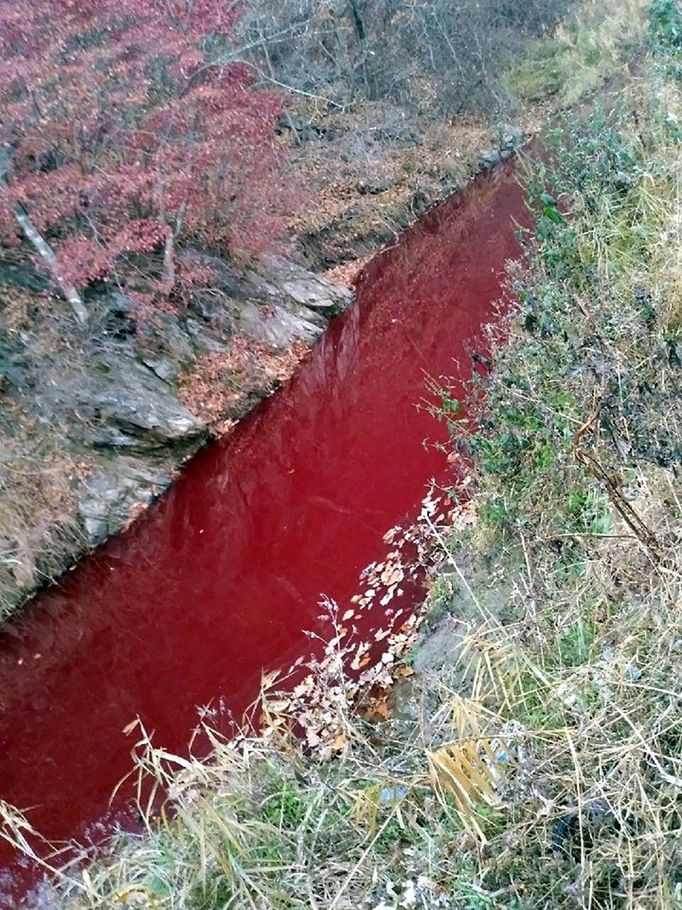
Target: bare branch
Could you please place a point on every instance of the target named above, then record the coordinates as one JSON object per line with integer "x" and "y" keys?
{"x": 46, "y": 252}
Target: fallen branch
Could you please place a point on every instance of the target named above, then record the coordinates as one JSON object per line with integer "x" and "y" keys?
{"x": 611, "y": 486}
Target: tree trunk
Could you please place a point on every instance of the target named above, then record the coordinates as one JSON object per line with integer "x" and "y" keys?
{"x": 287, "y": 115}
{"x": 46, "y": 252}
{"x": 169, "y": 271}
{"x": 356, "y": 14}
{"x": 169, "y": 274}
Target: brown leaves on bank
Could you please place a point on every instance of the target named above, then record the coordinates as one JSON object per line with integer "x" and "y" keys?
{"x": 222, "y": 387}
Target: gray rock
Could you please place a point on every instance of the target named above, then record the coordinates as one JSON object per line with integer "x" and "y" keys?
{"x": 281, "y": 326}
{"x": 373, "y": 187}
{"x": 310, "y": 292}
{"x": 273, "y": 279}
{"x": 204, "y": 340}
{"x": 443, "y": 646}
{"x": 122, "y": 404}
{"x": 107, "y": 499}
{"x": 396, "y": 133}
{"x": 419, "y": 203}
{"x": 216, "y": 311}
{"x": 281, "y": 278}
{"x": 511, "y": 137}
{"x": 403, "y": 700}
{"x": 306, "y": 130}
{"x": 165, "y": 368}
{"x": 165, "y": 348}
{"x": 119, "y": 303}
{"x": 489, "y": 158}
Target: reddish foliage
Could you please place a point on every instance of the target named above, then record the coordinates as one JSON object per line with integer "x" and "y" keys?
{"x": 125, "y": 125}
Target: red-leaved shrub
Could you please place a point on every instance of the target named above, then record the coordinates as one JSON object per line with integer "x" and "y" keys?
{"x": 125, "y": 129}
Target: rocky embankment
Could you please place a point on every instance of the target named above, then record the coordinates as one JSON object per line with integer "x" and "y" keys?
{"x": 370, "y": 202}
{"x": 94, "y": 422}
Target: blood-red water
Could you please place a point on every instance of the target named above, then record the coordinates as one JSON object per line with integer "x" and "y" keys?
{"x": 222, "y": 577}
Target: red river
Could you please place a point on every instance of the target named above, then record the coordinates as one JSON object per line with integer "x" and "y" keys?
{"x": 222, "y": 577}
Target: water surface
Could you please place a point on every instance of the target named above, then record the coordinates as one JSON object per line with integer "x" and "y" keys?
{"x": 222, "y": 577}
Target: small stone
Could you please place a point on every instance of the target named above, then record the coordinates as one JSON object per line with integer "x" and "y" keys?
{"x": 489, "y": 158}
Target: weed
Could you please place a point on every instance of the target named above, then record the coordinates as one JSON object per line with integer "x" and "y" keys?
{"x": 666, "y": 23}
{"x": 583, "y": 53}
{"x": 543, "y": 767}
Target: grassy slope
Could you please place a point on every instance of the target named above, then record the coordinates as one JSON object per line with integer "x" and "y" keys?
{"x": 541, "y": 767}
{"x": 41, "y": 533}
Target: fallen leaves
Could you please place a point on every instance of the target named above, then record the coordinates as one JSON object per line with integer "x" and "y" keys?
{"x": 363, "y": 655}
{"x": 221, "y": 386}
{"x": 391, "y": 575}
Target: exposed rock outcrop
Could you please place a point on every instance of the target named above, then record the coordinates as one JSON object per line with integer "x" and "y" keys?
{"x": 94, "y": 421}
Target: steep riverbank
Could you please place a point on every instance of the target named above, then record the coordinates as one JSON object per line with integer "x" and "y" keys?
{"x": 95, "y": 423}
{"x": 533, "y": 760}
{"x": 95, "y": 427}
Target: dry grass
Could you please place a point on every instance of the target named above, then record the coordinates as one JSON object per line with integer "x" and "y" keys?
{"x": 584, "y": 52}
{"x": 579, "y": 503}
{"x": 38, "y": 527}
{"x": 541, "y": 767}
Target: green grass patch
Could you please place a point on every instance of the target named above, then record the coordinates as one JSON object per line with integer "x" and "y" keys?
{"x": 542, "y": 766}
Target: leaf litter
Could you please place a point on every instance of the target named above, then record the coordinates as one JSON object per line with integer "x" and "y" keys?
{"x": 363, "y": 656}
